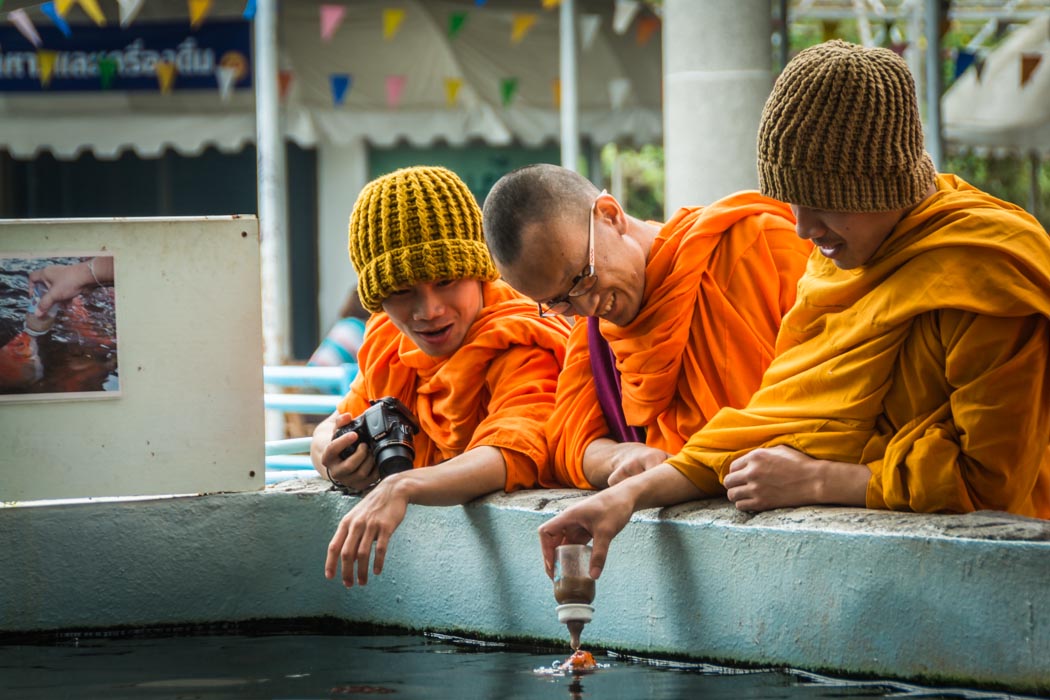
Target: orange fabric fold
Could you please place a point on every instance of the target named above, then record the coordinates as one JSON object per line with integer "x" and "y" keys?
{"x": 717, "y": 283}
{"x": 928, "y": 365}
{"x": 497, "y": 389}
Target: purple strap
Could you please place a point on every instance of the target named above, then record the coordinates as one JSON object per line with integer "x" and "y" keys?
{"x": 607, "y": 382}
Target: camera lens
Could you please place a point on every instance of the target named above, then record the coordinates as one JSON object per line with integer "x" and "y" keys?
{"x": 391, "y": 459}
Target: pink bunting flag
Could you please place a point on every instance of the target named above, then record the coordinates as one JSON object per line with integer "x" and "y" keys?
{"x": 23, "y": 24}
{"x": 395, "y": 85}
{"x": 331, "y": 18}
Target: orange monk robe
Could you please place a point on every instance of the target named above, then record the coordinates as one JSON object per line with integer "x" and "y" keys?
{"x": 928, "y": 365}
{"x": 497, "y": 389}
{"x": 717, "y": 283}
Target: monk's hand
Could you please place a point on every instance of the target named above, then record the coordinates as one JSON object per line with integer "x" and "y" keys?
{"x": 773, "y": 477}
{"x": 632, "y": 458}
{"x": 370, "y": 523}
{"x": 358, "y": 471}
{"x": 599, "y": 517}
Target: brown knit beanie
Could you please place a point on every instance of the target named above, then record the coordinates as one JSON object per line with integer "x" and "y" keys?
{"x": 841, "y": 132}
{"x": 415, "y": 225}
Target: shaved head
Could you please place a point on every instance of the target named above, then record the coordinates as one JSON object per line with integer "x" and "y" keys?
{"x": 532, "y": 196}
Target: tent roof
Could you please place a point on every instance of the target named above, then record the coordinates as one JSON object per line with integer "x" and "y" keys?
{"x": 995, "y": 111}
{"x": 482, "y": 55}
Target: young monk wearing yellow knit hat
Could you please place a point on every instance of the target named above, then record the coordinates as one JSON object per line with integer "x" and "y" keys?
{"x": 912, "y": 373}
{"x": 462, "y": 351}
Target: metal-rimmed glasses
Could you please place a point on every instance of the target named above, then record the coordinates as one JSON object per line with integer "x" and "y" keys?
{"x": 581, "y": 283}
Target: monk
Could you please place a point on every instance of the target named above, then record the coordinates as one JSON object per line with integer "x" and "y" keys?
{"x": 464, "y": 353}
{"x": 682, "y": 316}
{"x": 913, "y": 373}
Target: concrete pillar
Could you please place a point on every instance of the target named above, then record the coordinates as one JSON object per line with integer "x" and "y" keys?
{"x": 717, "y": 76}
{"x": 342, "y": 170}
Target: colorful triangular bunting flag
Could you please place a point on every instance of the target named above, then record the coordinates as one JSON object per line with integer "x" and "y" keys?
{"x": 341, "y": 83}
{"x": 24, "y": 25}
{"x": 199, "y": 9}
{"x": 284, "y": 82}
{"x": 166, "y": 76}
{"x": 623, "y": 14}
{"x": 456, "y": 20}
{"x": 249, "y": 10}
{"x": 49, "y": 9}
{"x": 331, "y": 18}
{"x": 45, "y": 61}
{"x": 129, "y": 9}
{"x": 508, "y": 87}
{"x": 395, "y": 85}
{"x": 226, "y": 76}
{"x": 1029, "y": 62}
{"x": 392, "y": 20}
{"x": 963, "y": 60}
{"x": 107, "y": 72}
{"x": 647, "y": 26}
{"x": 452, "y": 86}
{"x": 520, "y": 26}
{"x": 619, "y": 88}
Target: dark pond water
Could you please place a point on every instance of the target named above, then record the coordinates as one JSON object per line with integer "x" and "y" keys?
{"x": 297, "y": 667}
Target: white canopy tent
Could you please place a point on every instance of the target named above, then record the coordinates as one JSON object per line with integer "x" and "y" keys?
{"x": 619, "y": 84}
{"x": 995, "y": 110}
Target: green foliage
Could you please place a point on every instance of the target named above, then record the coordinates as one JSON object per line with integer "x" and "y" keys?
{"x": 1006, "y": 177}
{"x": 642, "y": 171}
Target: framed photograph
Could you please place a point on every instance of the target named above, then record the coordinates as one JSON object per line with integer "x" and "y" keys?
{"x": 58, "y": 327}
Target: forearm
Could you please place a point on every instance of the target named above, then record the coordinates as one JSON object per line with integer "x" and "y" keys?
{"x": 478, "y": 471}
{"x": 598, "y": 460}
{"x": 660, "y": 486}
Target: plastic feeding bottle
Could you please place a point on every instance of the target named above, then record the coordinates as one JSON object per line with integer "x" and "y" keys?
{"x": 574, "y": 588}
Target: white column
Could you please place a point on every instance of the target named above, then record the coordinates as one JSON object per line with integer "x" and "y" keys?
{"x": 570, "y": 103}
{"x": 341, "y": 173}
{"x": 272, "y": 188}
{"x": 717, "y": 76}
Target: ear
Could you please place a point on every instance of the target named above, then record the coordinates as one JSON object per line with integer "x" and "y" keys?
{"x": 607, "y": 209}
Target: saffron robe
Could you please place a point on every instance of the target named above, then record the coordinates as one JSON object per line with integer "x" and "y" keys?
{"x": 718, "y": 281}
{"x": 928, "y": 364}
{"x": 497, "y": 389}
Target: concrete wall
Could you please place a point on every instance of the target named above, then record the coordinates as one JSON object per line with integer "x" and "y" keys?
{"x": 949, "y": 599}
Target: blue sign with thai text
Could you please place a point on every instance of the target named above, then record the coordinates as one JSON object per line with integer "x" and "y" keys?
{"x": 114, "y": 58}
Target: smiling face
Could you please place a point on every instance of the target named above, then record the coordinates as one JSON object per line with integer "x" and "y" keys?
{"x": 436, "y": 315}
{"x": 556, "y": 252}
{"x": 848, "y": 239}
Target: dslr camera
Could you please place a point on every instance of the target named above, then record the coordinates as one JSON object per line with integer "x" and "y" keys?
{"x": 387, "y": 428}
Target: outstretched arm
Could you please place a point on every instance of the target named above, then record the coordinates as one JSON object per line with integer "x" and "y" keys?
{"x": 601, "y": 517}
{"x": 372, "y": 522}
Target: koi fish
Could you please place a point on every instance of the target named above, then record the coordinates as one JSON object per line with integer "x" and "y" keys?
{"x": 580, "y": 661}
{"x": 20, "y": 363}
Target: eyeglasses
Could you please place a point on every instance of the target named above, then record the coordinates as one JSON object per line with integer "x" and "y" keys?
{"x": 581, "y": 283}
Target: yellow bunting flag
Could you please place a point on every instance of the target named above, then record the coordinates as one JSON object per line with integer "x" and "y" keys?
{"x": 62, "y": 6}
{"x": 521, "y": 25}
{"x": 165, "y": 76}
{"x": 550, "y": 4}
{"x": 392, "y": 20}
{"x": 556, "y": 92}
{"x": 93, "y": 11}
{"x": 199, "y": 9}
{"x": 452, "y": 86}
{"x": 45, "y": 61}
{"x": 1029, "y": 62}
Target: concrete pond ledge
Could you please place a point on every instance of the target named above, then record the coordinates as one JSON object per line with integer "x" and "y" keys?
{"x": 948, "y": 599}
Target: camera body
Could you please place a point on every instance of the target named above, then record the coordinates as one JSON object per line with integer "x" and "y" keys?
{"x": 387, "y": 427}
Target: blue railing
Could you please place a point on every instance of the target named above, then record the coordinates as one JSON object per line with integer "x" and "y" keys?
{"x": 290, "y": 458}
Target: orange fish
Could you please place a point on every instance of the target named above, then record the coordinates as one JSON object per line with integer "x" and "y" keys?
{"x": 20, "y": 364}
{"x": 580, "y": 661}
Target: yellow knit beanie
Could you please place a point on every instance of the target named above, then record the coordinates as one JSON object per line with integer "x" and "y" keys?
{"x": 841, "y": 132}
{"x": 415, "y": 225}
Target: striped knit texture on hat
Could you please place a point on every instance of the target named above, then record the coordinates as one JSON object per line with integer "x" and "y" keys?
{"x": 841, "y": 132}
{"x": 419, "y": 224}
